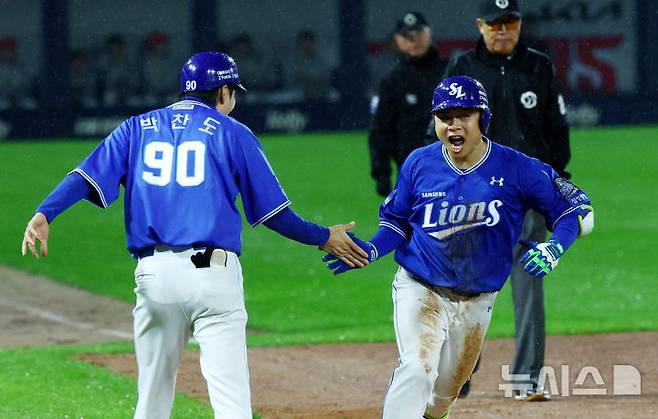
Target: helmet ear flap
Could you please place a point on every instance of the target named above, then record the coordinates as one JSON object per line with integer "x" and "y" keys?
{"x": 485, "y": 119}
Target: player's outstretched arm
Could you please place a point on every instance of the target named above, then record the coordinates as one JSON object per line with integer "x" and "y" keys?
{"x": 36, "y": 231}
{"x": 338, "y": 266}
{"x": 340, "y": 245}
{"x": 382, "y": 243}
{"x": 333, "y": 240}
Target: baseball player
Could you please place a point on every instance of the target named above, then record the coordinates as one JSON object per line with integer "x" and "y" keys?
{"x": 182, "y": 168}
{"x": 453, "y": 218}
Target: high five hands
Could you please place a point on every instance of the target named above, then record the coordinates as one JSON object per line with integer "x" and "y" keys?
{"x": 338, "y": 265}
{"x": 341, "y": 246}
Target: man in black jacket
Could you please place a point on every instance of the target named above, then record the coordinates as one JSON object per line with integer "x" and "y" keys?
{"x": 400, "y": 115}
{"x": 528, "y": 115}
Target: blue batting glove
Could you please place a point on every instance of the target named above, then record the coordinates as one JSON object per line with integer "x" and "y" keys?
{"x": 337, "y": 266}
{"x": 542, "y": 258}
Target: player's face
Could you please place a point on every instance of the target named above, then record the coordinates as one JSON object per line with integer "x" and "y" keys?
{"x": 459, "y": 131}
{"x": 500, "y": 37}
{"x": 414, "y": 43}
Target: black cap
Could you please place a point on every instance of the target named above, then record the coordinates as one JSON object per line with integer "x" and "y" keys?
{"x": 411, "y": 21}
{"x": 497, "y": 10}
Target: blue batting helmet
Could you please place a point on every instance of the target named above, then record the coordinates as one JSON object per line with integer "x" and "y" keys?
{"x": 209, "y": 70}
{"x": 462, "y": 92}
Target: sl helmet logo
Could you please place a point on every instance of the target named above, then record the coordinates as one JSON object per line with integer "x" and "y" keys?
{"x": 456, "y": 91}
{"x": 495, "y": 181}
{"x": 502, "y": 4}
{"x": 529, "y": 100}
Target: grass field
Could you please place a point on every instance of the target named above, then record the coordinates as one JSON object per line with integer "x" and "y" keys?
{"x": 604, "y": 283}
{"x": 51, "y": 383}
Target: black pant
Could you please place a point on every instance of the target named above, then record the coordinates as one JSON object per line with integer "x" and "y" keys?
{"x": 528, "y": 296}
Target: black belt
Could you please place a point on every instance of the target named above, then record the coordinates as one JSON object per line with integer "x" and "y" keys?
{"x": 459, "y": 292}
{"x": 445, "y": 290}
{"x": 149, "y": 251}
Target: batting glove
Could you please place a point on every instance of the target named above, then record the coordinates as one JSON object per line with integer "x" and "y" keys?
{"x": 542, "y": 258}
{"x": 337, "y": 266}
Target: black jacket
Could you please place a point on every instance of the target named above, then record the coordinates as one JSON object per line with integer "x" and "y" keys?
{"x": 528, "y": 109}
{"x": 400, "y": 120}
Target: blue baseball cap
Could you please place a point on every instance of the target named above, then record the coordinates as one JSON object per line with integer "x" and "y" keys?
{"x": 209, "y": 70}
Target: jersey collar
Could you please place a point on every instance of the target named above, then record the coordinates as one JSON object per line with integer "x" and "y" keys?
{"x": 190, "y": 101}
{"x": 459, "y": 171}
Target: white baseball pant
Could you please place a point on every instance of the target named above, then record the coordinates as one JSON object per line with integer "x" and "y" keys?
{"x": 439, "y": 337}
{"x": 175, "y": 300}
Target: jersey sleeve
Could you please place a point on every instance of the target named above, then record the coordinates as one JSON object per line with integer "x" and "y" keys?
{"x": 396, "y": 209}
{"x": 551, "y": 195}
{"x": 107, "y": 165}
{"x": 262, "y": 194}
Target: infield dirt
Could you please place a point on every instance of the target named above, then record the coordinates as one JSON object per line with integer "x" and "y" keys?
{"x": 339, "y": 381}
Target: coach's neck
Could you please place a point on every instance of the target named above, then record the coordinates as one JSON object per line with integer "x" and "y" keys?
{"x": 225, "y": 100}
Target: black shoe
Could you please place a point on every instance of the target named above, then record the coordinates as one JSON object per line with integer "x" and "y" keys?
{"x": 463, "y": 392}
{"x": 536, "y": 395}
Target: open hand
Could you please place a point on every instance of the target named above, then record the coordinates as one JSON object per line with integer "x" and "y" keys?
{"x": 36, "y": 231}
{"x": 337, "y": 266}
{"x": 342, "y": 246}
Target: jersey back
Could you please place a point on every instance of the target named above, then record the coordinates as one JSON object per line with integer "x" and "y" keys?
{"x": 183, "y": 167}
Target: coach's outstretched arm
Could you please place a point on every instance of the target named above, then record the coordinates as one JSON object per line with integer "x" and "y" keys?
{"x": 381, "y": 244}
{"x": 333, "y": 240}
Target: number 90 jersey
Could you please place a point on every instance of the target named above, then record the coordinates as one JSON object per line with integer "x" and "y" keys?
{"x": 461, "y": 225}
{"x": 182, "y": 168}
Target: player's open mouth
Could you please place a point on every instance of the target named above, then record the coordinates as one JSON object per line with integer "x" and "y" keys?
{"x": 456, "y": 143}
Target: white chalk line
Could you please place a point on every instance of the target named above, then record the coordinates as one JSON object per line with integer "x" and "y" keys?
{"x": 54, "y": 317}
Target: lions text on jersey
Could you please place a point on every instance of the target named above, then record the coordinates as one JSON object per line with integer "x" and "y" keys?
{"x": 462, "y": 225}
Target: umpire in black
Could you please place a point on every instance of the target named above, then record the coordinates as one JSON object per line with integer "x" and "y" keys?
{"x": 400, "y": 115}
{"x": 528, "y": 115}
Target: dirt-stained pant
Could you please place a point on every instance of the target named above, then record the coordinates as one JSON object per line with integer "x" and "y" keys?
{"x": 175, "y": 300}
{"x": 439, "y": 337}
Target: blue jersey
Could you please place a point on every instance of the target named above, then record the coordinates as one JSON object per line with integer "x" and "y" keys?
{"x": 461, "y": 225}
{"x": 183, "y": 167}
